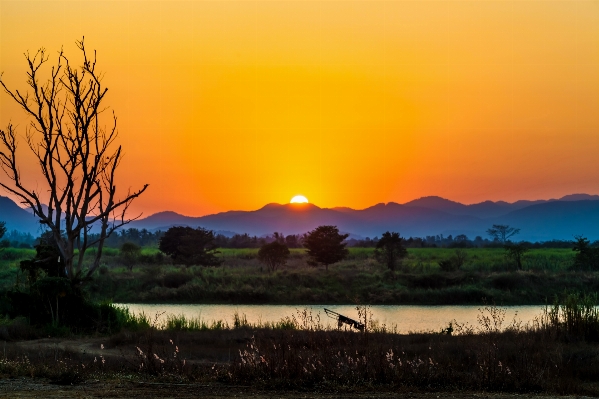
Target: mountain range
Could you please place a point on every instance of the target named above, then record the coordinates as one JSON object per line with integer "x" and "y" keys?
{"x": 541, "y": 220}
{"x": 17, "y": 218}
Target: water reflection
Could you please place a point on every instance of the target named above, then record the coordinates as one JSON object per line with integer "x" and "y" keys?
{"x": 404, "y": 318}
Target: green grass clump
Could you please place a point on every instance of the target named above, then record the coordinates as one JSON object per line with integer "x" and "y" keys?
{"x": 132, "y": 321}
{"x": 181, "y": 323}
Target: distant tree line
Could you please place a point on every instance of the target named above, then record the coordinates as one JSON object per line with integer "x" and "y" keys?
{"x": 325, "y": 245}
{"x": 462, "y": 241}
{"x": 146, "y": 238}
{"x": 16, "y": 239}
{"x": 247, "y": 241}
{"x": 142, "y": 238}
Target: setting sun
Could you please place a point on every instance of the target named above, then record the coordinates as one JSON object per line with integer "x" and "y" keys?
{"x": 299, "y": 199}
{"x": 453, "y": 88}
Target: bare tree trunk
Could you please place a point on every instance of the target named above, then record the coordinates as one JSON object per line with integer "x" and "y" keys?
{"x": 74, "y": 152}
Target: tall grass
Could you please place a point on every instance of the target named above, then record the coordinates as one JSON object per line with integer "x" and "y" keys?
{"x": 489, "y": 356}
{"x": 131, "y": 321}
{"x": 303, "y": 319}
{"x": 574, "y": 315}
{"x": 181, "y": 323}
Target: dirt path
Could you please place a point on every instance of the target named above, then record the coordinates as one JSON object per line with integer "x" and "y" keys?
{"x": 25, "y": 388}
{"x": 195, "y": 351}
{"x": 86, "y": 346}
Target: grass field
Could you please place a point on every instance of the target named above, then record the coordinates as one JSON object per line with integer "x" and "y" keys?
{"x": 486, "y": 273}
{"x": 419, "y": 259}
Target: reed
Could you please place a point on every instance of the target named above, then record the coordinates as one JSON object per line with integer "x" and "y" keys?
{"x": 574, "y": 315}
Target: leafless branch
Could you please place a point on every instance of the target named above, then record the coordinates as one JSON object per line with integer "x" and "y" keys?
{"x": 74, "y": 152}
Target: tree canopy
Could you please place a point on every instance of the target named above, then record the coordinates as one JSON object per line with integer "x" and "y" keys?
{"x": 587, "y": 256}
{"x": 129, "y": 253}
{"x": 274, "y": 255}
{"x": 516, "y": 252}
{"x": 390, "y": 249}
{"x": 325, "y": 245}
{"x": 189, "y": 246}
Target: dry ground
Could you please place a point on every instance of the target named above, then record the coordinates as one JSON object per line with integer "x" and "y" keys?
{"x": 199, "y": 348}
{"x": 24, "y": 388}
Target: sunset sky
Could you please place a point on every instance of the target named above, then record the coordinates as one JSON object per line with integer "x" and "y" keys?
{"x": 234, "y": 104}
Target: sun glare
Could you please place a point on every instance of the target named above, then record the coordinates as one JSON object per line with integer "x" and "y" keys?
{"x": 299, "y": 199}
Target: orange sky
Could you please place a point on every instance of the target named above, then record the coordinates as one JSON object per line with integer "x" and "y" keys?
{"x": 234, "y": 104}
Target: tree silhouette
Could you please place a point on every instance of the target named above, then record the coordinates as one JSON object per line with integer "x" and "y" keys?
{"x": 273, "y": 255}
{"x": 74, "y": 150}
{"x": 502, "y": 232}
{"x": 389, "y": 250}
{"x": 189, "y": 246}
{"x": 516, "y": 252}
{"x": 587, "y": 257}
{"x": 130, "y": 253}
{"x": 325, "y": 245}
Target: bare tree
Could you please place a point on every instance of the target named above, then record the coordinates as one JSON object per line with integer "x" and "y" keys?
{"x": 75, "y": 154}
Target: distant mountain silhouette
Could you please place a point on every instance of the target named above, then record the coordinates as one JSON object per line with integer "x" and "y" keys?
{"x": 563, "y": 218}
{"x": 483, "y": 210}
{"x": 44, "y": 208}
{"x": 17, "y": 218}
{"x": 167, "y": 218}
{"x": 539, "y": 220}
{"x": 579, "y": 197}
{"x": 556, "y": 220}
{"x": 434, "y": 202}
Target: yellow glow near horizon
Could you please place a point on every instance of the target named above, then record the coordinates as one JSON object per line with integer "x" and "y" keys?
{"x": 299, "y": 199}
{"x": 227, "y": 105}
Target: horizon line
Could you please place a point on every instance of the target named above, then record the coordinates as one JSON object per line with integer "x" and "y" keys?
{"x": 378, "y": 203}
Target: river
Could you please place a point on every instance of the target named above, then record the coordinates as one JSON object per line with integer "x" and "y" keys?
{"x": 403, "y": 319}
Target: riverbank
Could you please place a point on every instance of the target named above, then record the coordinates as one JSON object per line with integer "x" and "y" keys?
{"x": 348, "y": 284}
{"x": 548, "y": 358}
{"x": 486, "y": 275}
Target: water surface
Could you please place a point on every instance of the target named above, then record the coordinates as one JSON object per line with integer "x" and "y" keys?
{"x": 404, "y": 318}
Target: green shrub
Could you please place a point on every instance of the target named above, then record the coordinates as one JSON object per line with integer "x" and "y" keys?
{"x": 448, "y": 265}
{"x": 129, "y": 254}
{"x": 176, "y": 279}
{"x": 587, "y": 257}
{"x": 506, "y": 282}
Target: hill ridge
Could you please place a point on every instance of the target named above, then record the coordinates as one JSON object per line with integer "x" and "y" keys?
{"x": 539, "y": 220}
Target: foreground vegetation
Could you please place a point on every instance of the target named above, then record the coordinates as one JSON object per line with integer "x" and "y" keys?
{"x": 557, "y": 353}
{"x": 486, "y": 273}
